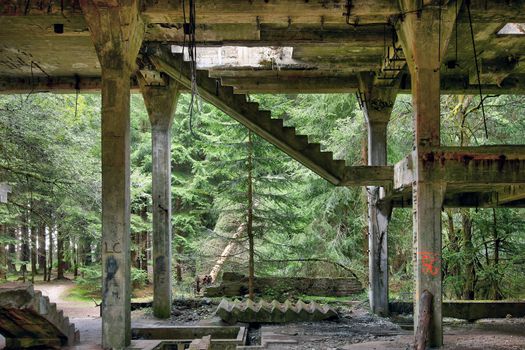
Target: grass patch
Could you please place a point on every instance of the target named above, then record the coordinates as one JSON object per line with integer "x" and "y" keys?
{"x": 79, "y": 294}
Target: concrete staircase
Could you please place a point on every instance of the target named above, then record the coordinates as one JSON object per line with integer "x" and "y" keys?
{"x": 28, "y": 319}
{"x": 261, "y": 122}
{"x": 274, "y": 312}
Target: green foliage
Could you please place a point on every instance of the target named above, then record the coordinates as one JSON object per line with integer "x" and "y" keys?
{"x": 139, "y": 278}
{"x": 90, "y": 280}
{"x": 50, "y": 154}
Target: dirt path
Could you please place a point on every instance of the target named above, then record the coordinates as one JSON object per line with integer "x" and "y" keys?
{"x": 84, "y": 314}
{"x": 58, "y": 292}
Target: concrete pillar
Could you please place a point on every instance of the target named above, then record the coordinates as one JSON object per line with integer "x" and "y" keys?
{"x": 378, "y": 103}
{"x": 424, "y": 36}
{"x": 117, "y": 34}
{"x": 115, "y": 209}
{"x": 161, "y": 103}
{"x": 378, "y": 218}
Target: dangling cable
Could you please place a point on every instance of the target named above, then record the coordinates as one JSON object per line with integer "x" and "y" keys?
{"x": 189, "y": 29}
{"x": 477, "y": 70}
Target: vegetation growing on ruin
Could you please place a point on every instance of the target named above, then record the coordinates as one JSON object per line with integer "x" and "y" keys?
{"x": 302, "y": 225}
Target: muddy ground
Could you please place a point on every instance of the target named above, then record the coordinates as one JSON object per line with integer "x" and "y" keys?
{"x": 356, "y": 328}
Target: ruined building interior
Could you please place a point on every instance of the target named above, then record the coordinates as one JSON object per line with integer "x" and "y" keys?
{"x": 226, "y": 49}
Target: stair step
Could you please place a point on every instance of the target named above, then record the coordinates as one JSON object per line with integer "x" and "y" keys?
{"x": 313, "y": 148}
{"x": 34, "y": 318}
{"x": 250, "y": 114}
{"x": 52, "y": 308}
{"x": 279, "y": 123}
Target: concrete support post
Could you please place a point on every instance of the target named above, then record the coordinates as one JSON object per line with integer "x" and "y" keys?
{"x": 161, "y": 103}
{"x": 116, "y": 278}
{"x": 378, "y": 103}
{"x": 116, "y": 31}
{"x": 424, "y": 36}
{"x": 378, "y": 218}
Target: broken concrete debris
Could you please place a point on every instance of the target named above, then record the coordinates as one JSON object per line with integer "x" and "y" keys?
{"x": 274, "y": 312}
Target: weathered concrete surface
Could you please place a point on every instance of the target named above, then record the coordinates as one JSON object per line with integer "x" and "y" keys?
{"x": 377, "y": 104}
{"x": 222, "y": 337}
{"x": 469, "y": 310}
{"x": 28, "y": 319}
{"x": 274, "y": 312}
{"x": 201, "y": 344}
{"x": 424, "y": 37}
{"x": 116, "y": 32}
{"x": 161, "y": 102}
{"x": 234, "y": 284}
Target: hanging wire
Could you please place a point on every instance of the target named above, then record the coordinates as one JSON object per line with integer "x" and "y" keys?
{"x": 32, "y": 82}
{"x": 477, "y": 69}
{"x": 33, "y": 63}
{"x": 189, "y": 30}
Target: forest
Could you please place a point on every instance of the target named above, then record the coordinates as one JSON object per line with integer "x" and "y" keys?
{"x": 231, "y": 189}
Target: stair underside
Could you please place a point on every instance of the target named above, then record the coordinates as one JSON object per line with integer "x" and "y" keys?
{"x": 30, "y": 320}
{"x": 261, "y": 122}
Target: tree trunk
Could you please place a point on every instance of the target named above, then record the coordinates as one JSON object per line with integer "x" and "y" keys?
{"x": 180, "y": 252}
{"x": 42, "y": 250}
{"x": 60, "y": 256}
{"x": 249, "y": 224}
{"x": 135, "y": 252}
{"x": 33, "y": 246}
{"x": 25, "y": 253}
{"x": 86, "y": 257}
{"x": 3, "y": 255}
{"x": 76, "y": 260}
{"x": 50, "y": 268}
{"x": 11, "y": 250}
{"x": 144, "y": 249}
{"x": 496, "y": 290}
{"x": 469, "y": 253}
{"x": 226, "y": 252}
{"x": 453, "y": 268}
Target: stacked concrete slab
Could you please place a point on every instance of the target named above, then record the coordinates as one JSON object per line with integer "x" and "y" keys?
{"x": 28, "y": 319}
{"x": 274, "y": 312}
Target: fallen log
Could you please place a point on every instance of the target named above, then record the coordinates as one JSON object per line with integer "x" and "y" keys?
{"x": 226, "y": 252}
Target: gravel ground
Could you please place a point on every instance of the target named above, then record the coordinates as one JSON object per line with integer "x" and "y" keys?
{"x": 356, "y": 329}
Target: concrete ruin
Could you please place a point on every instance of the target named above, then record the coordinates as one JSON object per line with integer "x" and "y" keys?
{"x": 29, "y": 320}
{"x": 234, "y": 284}
{"x": 274, "y": 312}
{"x": 376, "y": 48}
